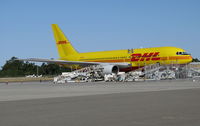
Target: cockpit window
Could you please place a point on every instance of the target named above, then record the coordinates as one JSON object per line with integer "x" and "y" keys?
{"x": 185, "y": 53}
{"x": 182, "y": 53}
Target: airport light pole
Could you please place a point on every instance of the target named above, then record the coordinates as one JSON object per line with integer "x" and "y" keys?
{"x": 37, "y": 70}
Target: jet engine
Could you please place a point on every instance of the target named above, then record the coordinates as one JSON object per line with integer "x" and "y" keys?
{"x": 109, "y": 69}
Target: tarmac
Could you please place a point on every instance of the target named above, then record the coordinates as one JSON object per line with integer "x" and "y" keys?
{"x": 150, "y": 103}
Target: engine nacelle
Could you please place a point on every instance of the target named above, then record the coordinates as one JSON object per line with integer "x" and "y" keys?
{"x": 109, "y": 69}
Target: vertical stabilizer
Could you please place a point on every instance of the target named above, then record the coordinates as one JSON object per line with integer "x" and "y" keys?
{"x": 63, "y": 45}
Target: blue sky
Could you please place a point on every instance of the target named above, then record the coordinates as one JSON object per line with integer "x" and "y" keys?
{"x": 97, "y": 25}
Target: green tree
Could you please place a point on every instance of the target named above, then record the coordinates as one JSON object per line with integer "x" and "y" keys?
{"x": 195, "y": 60}
{"x": 52, "y": 69}
{"x": 16, "y": 68}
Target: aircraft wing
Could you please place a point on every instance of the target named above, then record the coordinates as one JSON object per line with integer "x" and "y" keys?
{"x": 81, "y": 63}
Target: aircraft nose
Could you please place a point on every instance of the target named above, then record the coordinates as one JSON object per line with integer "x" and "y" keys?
{"x": 190, "y": 59}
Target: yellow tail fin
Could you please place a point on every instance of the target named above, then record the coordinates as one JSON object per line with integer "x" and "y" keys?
{"x": 63, "y": 45}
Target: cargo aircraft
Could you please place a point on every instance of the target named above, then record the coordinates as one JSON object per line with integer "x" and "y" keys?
{"x": 114, "y": 61}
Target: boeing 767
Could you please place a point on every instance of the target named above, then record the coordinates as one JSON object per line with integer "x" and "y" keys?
{"x": 115, "y": 60}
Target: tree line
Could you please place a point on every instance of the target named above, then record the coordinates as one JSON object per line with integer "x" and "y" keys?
{"x": 195, "y": 60}
{"x": 16, "y": 68}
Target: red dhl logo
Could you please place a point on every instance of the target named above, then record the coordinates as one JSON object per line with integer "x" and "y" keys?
{"x": 61, "y": 42}
{"x": 145, "y": 56}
